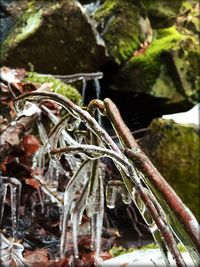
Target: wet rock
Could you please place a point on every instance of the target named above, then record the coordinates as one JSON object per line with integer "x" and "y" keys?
{"x": 174, "y": 149}
{"x": 162, "y": 13}
{"x": 54, "y": 37}
{"x": 123, "y": 26}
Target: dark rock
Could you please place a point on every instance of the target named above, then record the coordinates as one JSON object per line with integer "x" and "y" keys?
{"x": 54, "y": 37}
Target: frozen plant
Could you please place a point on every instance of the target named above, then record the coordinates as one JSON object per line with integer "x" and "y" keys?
{"x": 168, "y": 219}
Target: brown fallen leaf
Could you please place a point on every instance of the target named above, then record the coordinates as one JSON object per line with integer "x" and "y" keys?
{"x": 30, "y": 144}
{"x": 36, "y": 258}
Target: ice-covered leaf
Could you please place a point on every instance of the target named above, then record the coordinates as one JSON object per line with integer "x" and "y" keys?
{"x": 11, "y": 252}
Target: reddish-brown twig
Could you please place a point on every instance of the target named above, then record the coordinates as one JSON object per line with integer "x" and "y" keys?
{"x": 133, "y": 151}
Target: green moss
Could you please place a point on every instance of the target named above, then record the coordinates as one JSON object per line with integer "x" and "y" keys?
{"x": 174, "y": 149}
{"x": 116, "y": 251}
{"x": 150, "y": 61}
{"x": 58, "y": 86}
{"x": 121, "y": 28}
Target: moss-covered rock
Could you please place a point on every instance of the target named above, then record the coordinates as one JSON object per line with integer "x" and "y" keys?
{"x": 56, "y": 86}
{"x": 174, "y": 149}
{"x": 123, "y": 26}
{"x": 53, "y": 37}
{"x": 168, "y": 68}
{"x": 162, "y": 13}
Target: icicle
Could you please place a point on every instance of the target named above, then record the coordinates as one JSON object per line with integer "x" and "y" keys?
{"x": 97, "y": 88}
{"x": 92, "y": 199}
{"x": 83, "y": 89}
{"x": 15, "y": 193}
{"x": 76, "y": 218}
{"x": 111, "y": 195}
{"x": 78, "y": 76}
{"x": 113, "y": 187}
{"x": 73, "y": 188}
{"x": 99, "y": 222}
{"x": 126, "y": 198}
{"x": 52, "y": 175}
{"x": 15, "y": 190}
{"x": 3, "y": 192}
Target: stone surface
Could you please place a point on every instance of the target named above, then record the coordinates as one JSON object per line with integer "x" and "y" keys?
{"x": 174, "y": 149}
{"x": 54, "y": 37}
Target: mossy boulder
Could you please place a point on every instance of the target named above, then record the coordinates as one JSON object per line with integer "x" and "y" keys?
{"x": 168, "y": 68}
{"x": 56, "y": 86}
{"x": 162, "y": 13}
{"x": 123, "y": 26}
{"x": 174, "y": 149}
{"x": 53, "y": 37}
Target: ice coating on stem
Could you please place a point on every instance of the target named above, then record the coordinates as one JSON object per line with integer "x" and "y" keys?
{"x": 15, "y": 193}
{"x": 73, "y": 188}
{"x": 73, "y": 109}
